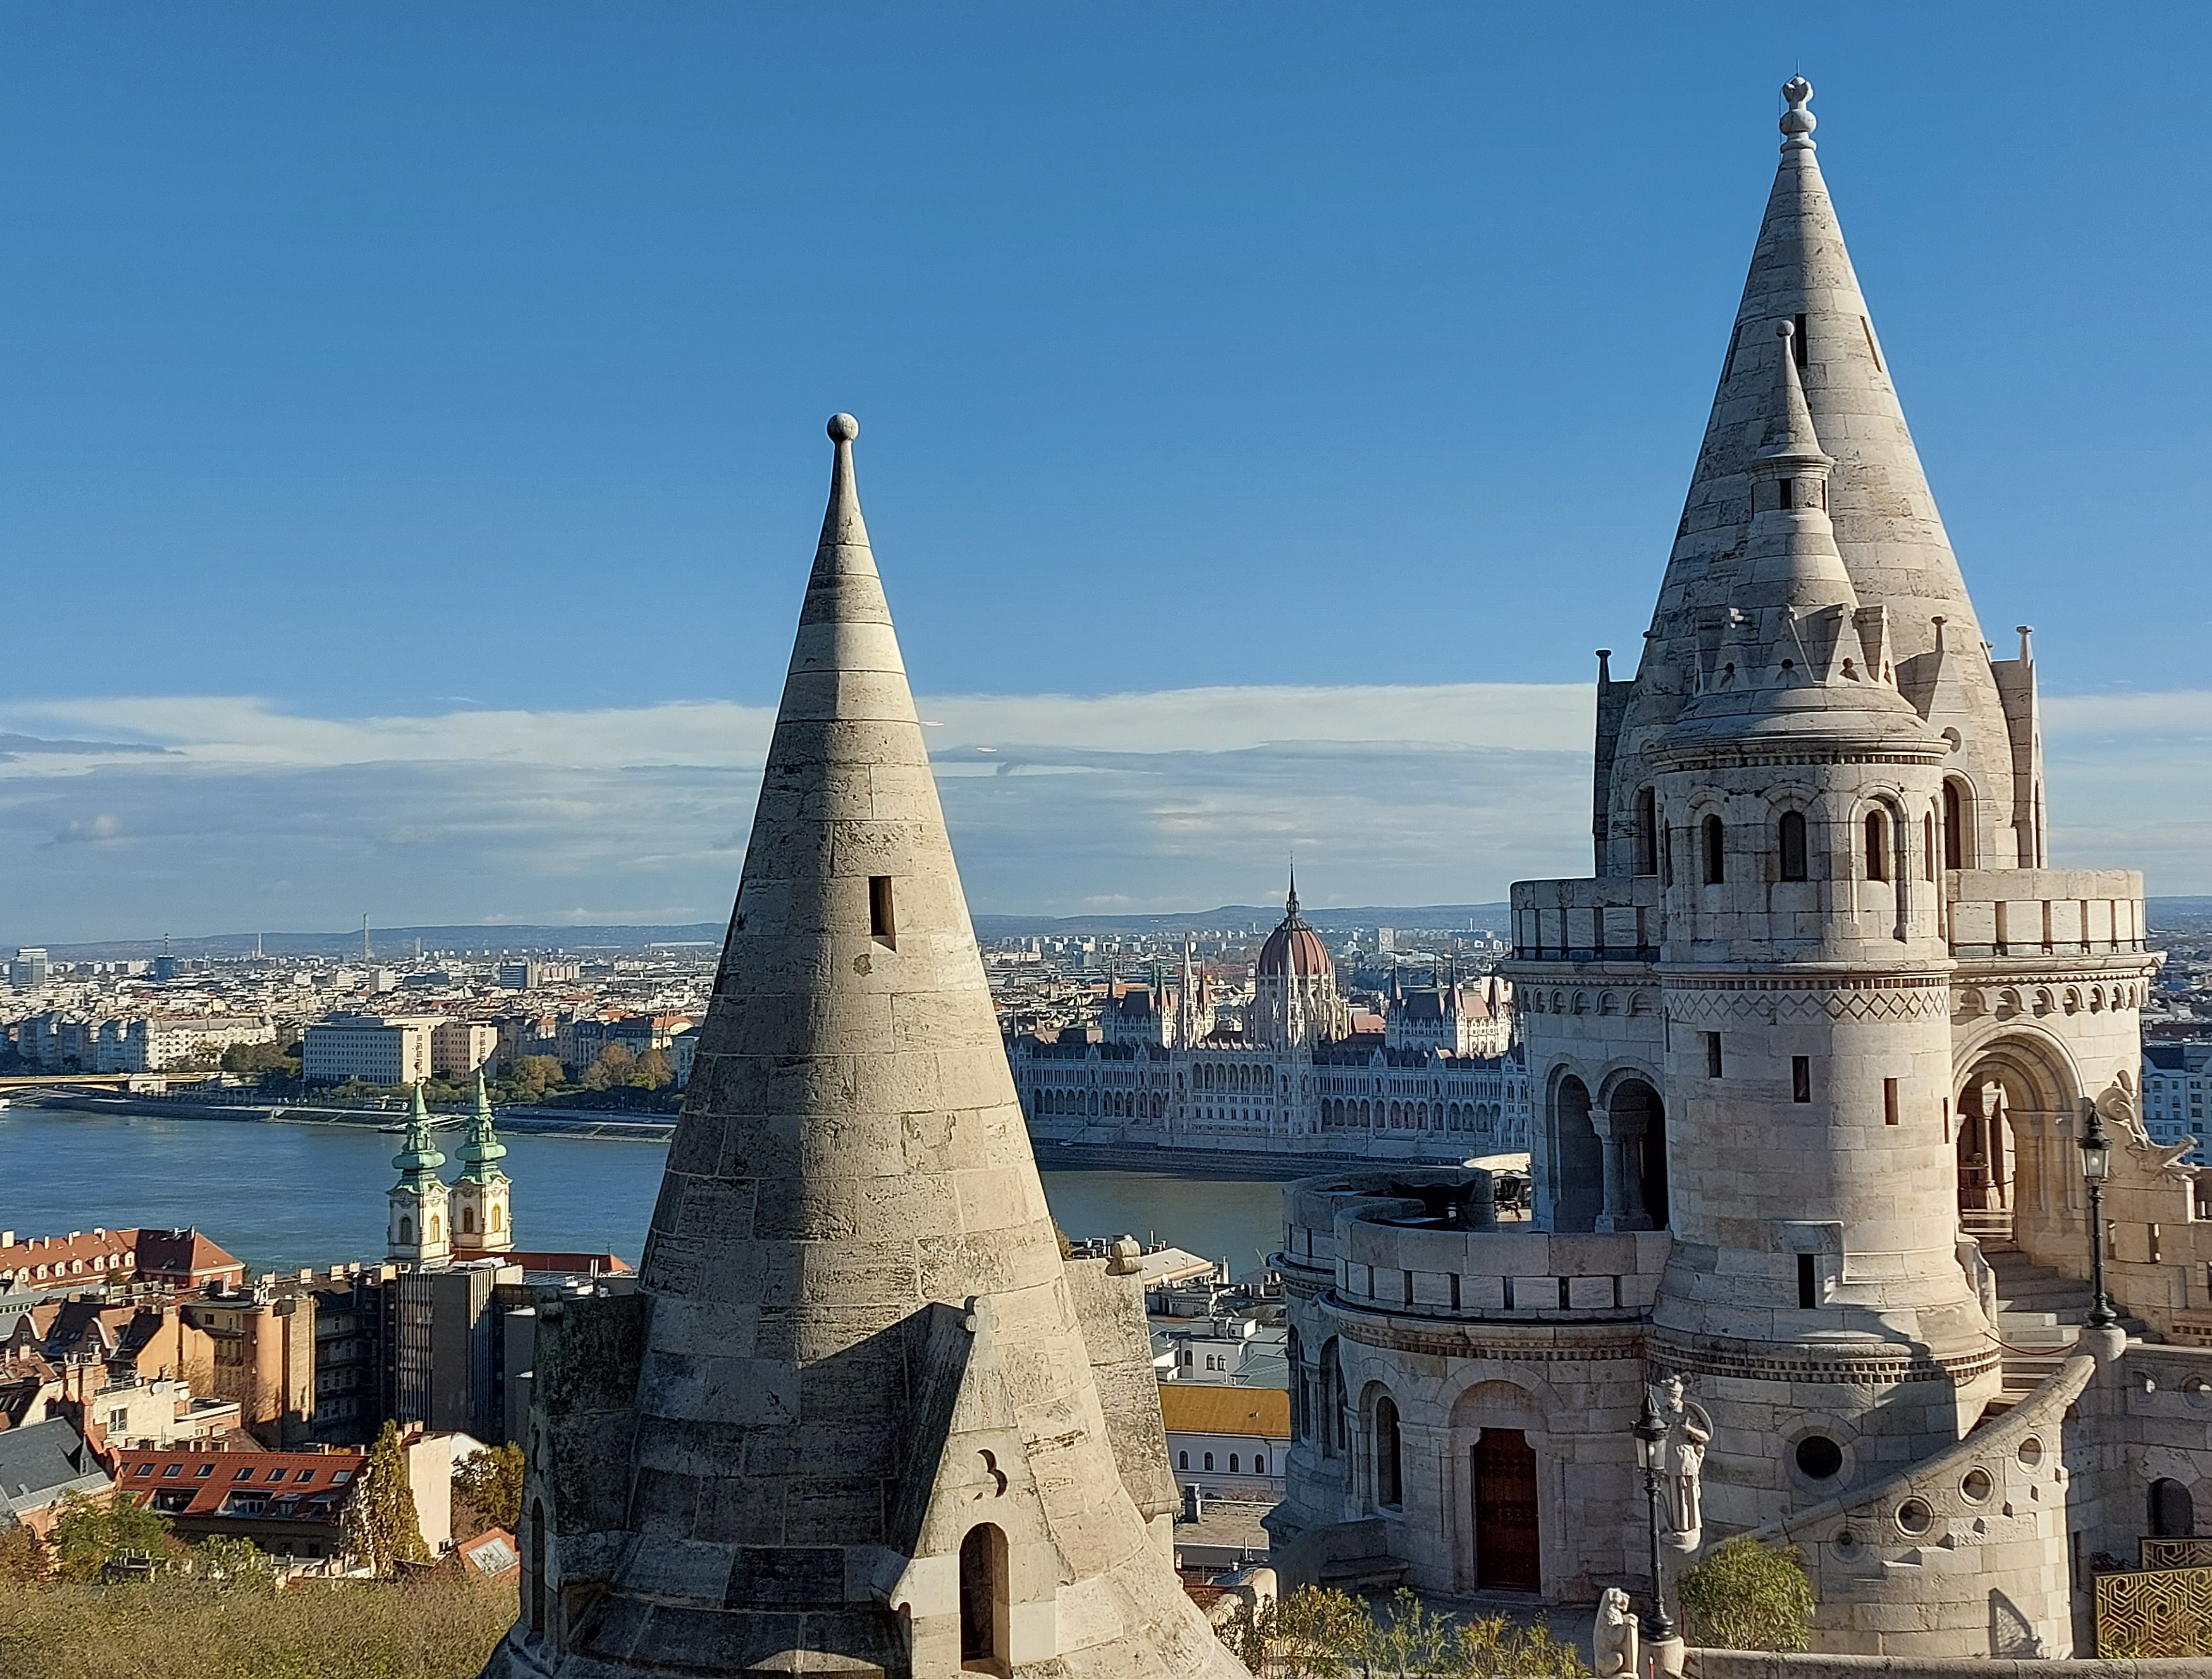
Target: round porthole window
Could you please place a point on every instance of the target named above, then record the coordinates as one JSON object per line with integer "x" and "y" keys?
{"x": 2031, "y": 1451}
{"x": 1819, "y": 1457}
{"x": 1976, "y": 1486}
{"x": 1847, "y": 1545}
{"x": 1914, "y": 1516}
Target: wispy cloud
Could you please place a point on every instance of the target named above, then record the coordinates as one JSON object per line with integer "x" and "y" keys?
{"x": 203, "y": 814}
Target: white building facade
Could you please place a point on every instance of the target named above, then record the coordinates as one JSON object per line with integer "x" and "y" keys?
{"x": 1293, "y": 1083}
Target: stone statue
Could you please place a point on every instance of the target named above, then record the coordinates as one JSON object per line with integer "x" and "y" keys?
{"x": 1681, "y": 1465}
{"x": 1613, "y": 1637}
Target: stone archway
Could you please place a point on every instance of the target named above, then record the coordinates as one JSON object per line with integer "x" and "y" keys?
{"x": 1632, "y": 1130}
{"x": 1577, "y": 1161}
{"x": 1501, "y": 1457}
{"x": 2029, "y": 1124}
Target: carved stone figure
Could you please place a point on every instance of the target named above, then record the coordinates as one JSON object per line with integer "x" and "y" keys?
{"x": 1613, "y": 1637}
{"x": 1681, "y": 1466}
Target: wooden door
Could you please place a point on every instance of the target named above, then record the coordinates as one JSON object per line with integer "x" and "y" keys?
{"x": 1505, "y": 1540}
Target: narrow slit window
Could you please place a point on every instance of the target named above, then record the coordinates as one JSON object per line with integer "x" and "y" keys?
{"x": 1808, "y": 1282}
{"x": 1877, "y": 846}
{"x": 1787, "y": 487}
{"x": 1791, "y": 834}
{"x": 1712, "y": 1055}
{"x": 1801, "y": 1078}
{"x": 883, "y": 923}
{"x": 1715, "y": 851}
{"x": 1647, "y": 834}
{"x": 1797, "y": 343}
{"x": 1946, "y": 1119}
{"x": 1927, "y": 843}
{"x": 1889, "y": 1101}
{"x": 1873, "y": 348}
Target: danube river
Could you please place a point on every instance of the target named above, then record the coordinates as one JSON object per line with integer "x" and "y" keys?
{"x": 284, "y": 1196}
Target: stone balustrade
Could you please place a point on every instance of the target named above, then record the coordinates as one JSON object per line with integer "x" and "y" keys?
{"x": 1390, "y": 1252}
{"x": 1587, "y": 920}
{"x": 2043, "y": 911}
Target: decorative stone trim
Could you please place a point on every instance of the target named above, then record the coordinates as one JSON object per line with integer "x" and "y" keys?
{"x": 1715, "y": 1360}
{"x": 1605, "y": 1341}
{"x": 1911, "y": 998}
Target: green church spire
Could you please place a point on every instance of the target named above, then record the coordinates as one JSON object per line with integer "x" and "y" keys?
{"x": 481, "y": 1154}
{"x": 420, "y": 1158}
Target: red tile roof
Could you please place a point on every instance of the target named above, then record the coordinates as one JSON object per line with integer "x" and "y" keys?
{"x": 308, "y": 1485}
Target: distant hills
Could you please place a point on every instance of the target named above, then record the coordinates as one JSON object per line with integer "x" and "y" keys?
{"x": 2167, "y": 915}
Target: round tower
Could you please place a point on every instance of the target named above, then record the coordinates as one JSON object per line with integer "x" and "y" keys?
{"x": 1814, "y": 1292}
{"x": 482, "y": 1219}
{"x": 420, "y": 1232}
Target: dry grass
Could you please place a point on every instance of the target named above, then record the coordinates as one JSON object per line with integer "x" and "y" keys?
{"x": 440, "y": 1628}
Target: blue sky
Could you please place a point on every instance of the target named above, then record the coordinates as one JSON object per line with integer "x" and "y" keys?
{"x": 395, "y": 384}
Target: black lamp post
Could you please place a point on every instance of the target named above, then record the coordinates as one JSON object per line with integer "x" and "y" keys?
{"x": 2096, "y": 1165}
{"x": 1651, "y": 1434}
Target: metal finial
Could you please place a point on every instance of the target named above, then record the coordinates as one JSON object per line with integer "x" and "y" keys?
{"x": 1798, "y": 122}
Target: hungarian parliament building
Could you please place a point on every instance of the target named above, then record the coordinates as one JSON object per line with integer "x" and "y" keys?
{"x": 1445, "y": 1081}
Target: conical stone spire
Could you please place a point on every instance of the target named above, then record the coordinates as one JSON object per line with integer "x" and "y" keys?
{"x": 1887, "y": 531}
{"x": 861, "y": 1348}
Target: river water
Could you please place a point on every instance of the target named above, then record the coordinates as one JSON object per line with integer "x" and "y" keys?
{"x": 284, "y": 1196}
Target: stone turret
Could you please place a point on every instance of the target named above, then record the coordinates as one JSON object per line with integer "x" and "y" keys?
{"x": 1888, "y": 535}
{"x": 483, "y": 1214}
{"x": 873, "y": 1424}
{"x": 419, "y": 1233}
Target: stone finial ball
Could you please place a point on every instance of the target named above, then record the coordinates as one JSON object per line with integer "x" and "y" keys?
{"x": 843, "y": 427}
{"x": 1785, "y": 329}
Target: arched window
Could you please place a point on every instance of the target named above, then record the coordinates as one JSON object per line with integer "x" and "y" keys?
{"x": 1332, "y": 1401}
{"x": 1957, "y": 845}
{"x": 498, "y": 1217}
{"x": 1790, "y": 832}
{"x": 1877, "y": 844}
{"x": 1715, "y": 851}
{"x": 984, "y": 1598}
{"x": 535, "y": 1543}
{"x": 1182, "y": 1460}
{"x": 406, "y": 1231}
{"x": 468, "y": 1221}
{"x": 1233, "y": 1457}
{"x": 1389, "y": 1487}
{"x": 1209, "y": 1460}
{"x": 1259, "y": 1463}
{"x": 1647, "y": 832}
{"x": 1928, "y": 843}
{"x": 2172, "y": 1511}
{"x": 437, "y": 1230}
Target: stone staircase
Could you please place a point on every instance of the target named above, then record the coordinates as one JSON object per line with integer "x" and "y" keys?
{"x": 2039, "y": 1312}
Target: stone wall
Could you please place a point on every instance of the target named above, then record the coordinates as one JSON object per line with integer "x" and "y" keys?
{"x": 1964, "y": 1553}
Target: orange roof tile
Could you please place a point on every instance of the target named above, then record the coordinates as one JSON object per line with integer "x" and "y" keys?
{"x": 1196, "y": 1409}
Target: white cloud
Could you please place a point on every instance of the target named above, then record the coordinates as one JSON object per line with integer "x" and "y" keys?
{"x": 249, "y": 816}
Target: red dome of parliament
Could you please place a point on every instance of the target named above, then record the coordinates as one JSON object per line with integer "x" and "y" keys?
{"x": 1294, "y": 949}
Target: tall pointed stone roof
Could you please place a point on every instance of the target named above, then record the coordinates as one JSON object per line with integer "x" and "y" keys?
{"x": 1887, "y": 530}
{"x": 850, "y": 1183}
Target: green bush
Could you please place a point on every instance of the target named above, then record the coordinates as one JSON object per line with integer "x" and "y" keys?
{"x": 1747, "y": 1596}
